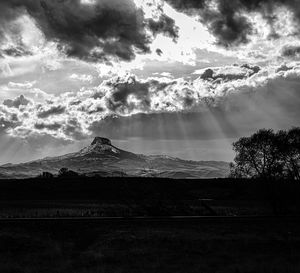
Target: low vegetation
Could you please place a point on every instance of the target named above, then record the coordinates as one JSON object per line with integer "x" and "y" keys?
{"x": 168, "y": 248}
{"x": 95, "y": 197}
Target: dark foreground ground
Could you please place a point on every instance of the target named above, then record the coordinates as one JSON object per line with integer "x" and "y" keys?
{"x": 132, "y": 197}
{"x": 246, "y": 246}
{"x": 269, "y": 242}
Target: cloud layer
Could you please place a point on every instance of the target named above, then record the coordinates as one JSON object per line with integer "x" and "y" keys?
{"x": 89, "y": 30}
{"x": 235, "y": 99}
{"x": 229, "y": 21}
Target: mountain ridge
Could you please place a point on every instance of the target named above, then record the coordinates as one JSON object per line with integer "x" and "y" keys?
{"x": 102, "y": 158}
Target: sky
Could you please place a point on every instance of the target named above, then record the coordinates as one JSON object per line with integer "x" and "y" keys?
{"x": 184, "y": 78}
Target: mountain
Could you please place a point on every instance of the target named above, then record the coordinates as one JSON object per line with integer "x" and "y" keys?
{"x": 104, "y": 159}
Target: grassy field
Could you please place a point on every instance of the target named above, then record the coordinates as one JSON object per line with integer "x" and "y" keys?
{"x": 150, "y": 247}
{"x": 96, "y": 197}
{"x": 264, "y": 246}
{"x": 88, "y": 208}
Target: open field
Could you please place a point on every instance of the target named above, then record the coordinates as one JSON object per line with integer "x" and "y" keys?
{"x": 120, "y": 208}
{"x": 84, "y": 208}
{"x": 131, "y": 197}
{"x": 267, "y": 243}
{"x": 260, "y": 247}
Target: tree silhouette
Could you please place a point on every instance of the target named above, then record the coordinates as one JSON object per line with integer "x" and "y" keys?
{"x": 66, "y": 173}
{"x": 63, "y": 171}
{"x": 293, "y": 153}
{"x": 267, "y": 155}
{"x": 46, "y": 175}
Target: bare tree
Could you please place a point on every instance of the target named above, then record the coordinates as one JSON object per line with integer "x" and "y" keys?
{"x": 268, "y": 155}
{"x": 293, "y": 153}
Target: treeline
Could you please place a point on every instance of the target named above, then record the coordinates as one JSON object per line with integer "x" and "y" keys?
{"x": 268, "y": 155}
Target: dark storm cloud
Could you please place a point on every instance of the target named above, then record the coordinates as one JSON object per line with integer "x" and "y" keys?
{"x": 8, "y": 120}
{"x": 221, "y": 74}
{"x": 17, "y": 102}
{"x": 188, "y": 6}
{"x": 51, "y": 126}
{"x": 226, "y": 20}
{"x": 188, "y": 101}
{"x": 102, "y": 29}
{"x": 15, "y": 52}
{"x": 290, "y": 51}
{"x": 227, "y": 26}
{"x": 255, "y": 69}
{"x": 159, "y": 52}
{"x": 161, "y": 85}
{"x": 226, "y": 23}
{"x": 5, "y": 124}
{"x": 164, "y": 25}
{"x": 55, "y": 110}
{"x": 123, "y": 88}
{"x": 284, "y": 67}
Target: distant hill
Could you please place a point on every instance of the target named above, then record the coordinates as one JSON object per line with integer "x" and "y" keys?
{"x": 104, "y": 159}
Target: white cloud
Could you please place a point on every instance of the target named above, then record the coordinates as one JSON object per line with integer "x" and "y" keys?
{"x": 70, "y": 115}
{"x": 164, "y": 74}
{"x": 82, "y": 77}
{"x": 24, "y": 85}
